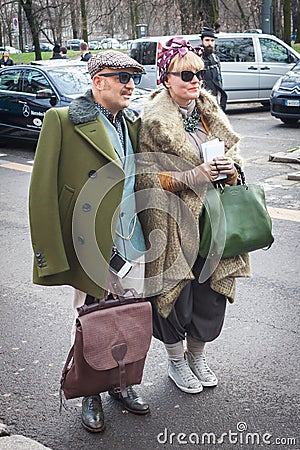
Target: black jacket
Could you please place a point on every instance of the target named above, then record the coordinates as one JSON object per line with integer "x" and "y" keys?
{"x": 213, "y": 77}
{"x": 86, "y": 57}
{"x": 3, "y": 63}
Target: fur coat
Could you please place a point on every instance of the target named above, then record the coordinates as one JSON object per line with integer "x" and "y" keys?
{"x": 170, "y": 222}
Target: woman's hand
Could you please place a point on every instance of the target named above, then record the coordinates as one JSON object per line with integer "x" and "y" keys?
{"x": 225, "y": 165}
{"x": 210, "y": 170}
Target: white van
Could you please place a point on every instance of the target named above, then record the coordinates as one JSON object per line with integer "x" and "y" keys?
{"x": 251, "y": 63}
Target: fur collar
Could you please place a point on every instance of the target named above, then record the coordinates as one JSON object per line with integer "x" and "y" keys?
{"x": 161, "y": 106}
{"x": 83, "y": 110}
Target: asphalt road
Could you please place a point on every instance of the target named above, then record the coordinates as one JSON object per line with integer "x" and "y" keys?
{"x": 256, "y": 358}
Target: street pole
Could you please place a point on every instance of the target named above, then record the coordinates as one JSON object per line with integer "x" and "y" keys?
{"x": 266, "y": 16}
{"x": 16, "y": 28}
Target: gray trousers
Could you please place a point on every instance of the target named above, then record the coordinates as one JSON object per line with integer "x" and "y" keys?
{"x": 198, "y": 312}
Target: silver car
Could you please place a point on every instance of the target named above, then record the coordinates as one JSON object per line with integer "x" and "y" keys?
{"x": 251, "y": 62}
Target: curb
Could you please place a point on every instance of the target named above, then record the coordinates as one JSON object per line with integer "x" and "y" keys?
{"x": 18, "y": 442}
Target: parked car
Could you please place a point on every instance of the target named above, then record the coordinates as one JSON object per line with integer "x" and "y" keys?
{"x": 285, "y": 96}
{"x": 74, "y": 44}
{"x": 44, "y": 46}
{"x": 110, "y": 43}
{"x": 94, "y": 45}
{"x": 12, "y": 50}
{"x": 127, "y": 44}
{"x": 28, "y": 91}
{"x": 137, "y": 101}
{"x": 251, "y": 63}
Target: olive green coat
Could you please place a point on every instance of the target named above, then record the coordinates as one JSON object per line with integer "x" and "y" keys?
{"x": 76, "y": 188}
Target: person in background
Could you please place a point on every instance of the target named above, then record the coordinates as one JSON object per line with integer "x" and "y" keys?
{"x": 212, "y": 77}
{"x": 56, "y": 52}
{"x": 63, "y": 52}
{"x": 85, "y": 53}
{"x": 177, "y": 119}
{"x": 6, "y": 60}
{"x": 74, "y": 144}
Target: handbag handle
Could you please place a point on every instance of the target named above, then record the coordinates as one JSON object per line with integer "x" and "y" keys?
{"x": 241, "y": 175}
{"x": 95, "y": 304}
{"x": 241, "y": 179}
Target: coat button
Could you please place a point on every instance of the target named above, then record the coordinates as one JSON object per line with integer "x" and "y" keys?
{"x": 92, "y": 173}
{"x": 80, "y": 240}
{"x": 38, "y": 255}
{"x": 40, "y": 264}
{"x": 86, "y": 207}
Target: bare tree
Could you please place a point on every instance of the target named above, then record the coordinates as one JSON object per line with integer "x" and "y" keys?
{"x": 277, "y": 7}
{"x": 84, "y": 28}
{"x": 287, "y": 21}
{"x": 58, "y": 20}
{"x": 33, "y": 25}
{"x": 296, "y": 19}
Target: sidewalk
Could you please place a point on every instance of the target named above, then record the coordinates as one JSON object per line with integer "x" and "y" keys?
{"x": 17, "y": 442}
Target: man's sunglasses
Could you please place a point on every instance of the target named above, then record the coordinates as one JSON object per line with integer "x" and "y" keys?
{"x": 188, "y": 75}
{"x": 124, "y": 77}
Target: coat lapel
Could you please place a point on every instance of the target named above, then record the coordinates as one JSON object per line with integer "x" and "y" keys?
{"x": 95, "y": 133}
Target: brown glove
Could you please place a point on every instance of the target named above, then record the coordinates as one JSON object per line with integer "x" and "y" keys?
{"x": 179, "y": 181}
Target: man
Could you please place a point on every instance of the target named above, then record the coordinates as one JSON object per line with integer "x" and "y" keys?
{"x": 212, "y": 77}
{"x": 90, "y": 141}
{"x": 63, "y": 52}
{"x": 56, "y": 54}
{"x": 85, "y": 54}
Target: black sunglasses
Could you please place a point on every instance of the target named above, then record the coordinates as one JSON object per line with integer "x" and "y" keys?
{"x": 124, "y": 77}
{"x": 188, "y": 75}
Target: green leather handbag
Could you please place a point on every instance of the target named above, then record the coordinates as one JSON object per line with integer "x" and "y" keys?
{"x": 234, "y": 220}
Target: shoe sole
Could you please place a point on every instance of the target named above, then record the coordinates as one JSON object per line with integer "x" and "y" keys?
{"x": 205, "y": 383}
{"x": 186, "y": 390}
{"x": 93, "y": 430}
{"x": 208, "y": 383}
{"x": 133, "y": 411}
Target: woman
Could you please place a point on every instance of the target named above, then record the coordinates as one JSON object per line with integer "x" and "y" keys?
{"x": 176, "y": 120}
{"x": 6, "y": 60}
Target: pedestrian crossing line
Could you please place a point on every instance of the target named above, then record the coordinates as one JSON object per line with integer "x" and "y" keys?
{"x": 275, "y": 213}
{"x": 16, "y": 166}
{"x": 284, "y": 214}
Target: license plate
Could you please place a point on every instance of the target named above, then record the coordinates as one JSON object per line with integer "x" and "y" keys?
{"x": 292, "y": 102}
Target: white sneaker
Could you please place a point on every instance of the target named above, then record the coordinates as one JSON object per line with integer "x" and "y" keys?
{"x": 200, "y": 368}
{"x": 183, "y": 377}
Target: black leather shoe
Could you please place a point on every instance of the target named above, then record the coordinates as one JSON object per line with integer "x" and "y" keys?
{"x": 133, "y": 403}
{"x": 92, "y": 414}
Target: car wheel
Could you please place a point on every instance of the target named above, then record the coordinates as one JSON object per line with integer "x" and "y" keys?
{"x": 290, "y": 121}
{"x": 266, "y": 104}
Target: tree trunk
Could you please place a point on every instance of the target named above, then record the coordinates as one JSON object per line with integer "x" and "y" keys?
{"x": 134, "y": 18}
{"x": 27, "y": 7}
{"x": 296, "y": 20}
{"x": 287, "y": 21}
{"x": 83, "y": 21}
{"x": 277, "y": 18}
{"x": 198, "y": 13}
{"x": 74, "y": 22}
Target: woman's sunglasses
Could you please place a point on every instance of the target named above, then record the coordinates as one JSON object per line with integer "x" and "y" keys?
{"x": 124, "y": 77}
{"x": 188, "y": 75}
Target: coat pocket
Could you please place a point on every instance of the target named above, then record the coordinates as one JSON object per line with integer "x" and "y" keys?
{"x": 65, "y": 200}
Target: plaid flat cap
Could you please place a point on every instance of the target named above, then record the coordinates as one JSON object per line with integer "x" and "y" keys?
{"x": 111, "y": 59}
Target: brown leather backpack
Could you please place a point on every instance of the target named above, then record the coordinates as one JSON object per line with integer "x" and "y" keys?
{"x": 112, "y": 339}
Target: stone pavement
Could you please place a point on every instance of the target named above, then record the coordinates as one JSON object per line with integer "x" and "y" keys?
{"x": 17, "y": 442}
